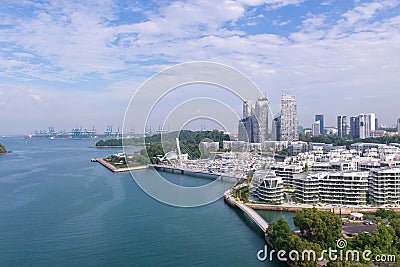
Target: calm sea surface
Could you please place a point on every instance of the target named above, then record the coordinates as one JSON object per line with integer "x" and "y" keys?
{"x": 59, "y": 209}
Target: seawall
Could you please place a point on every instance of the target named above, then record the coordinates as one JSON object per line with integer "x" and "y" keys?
{"x": 115, "y": 169}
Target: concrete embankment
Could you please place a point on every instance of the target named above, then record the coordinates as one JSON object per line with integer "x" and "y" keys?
{"x": 115, "y": 169}
{"x": 336, "y": 210}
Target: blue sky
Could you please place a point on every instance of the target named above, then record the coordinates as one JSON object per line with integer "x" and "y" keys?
{"x": 72, "y": 63}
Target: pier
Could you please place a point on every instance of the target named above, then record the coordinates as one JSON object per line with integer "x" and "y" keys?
{"x": 249, "y": 211}
{"x": 115, "y": 169}
{"x": 194, "y": 173}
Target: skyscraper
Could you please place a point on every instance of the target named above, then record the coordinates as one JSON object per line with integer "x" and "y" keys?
{"x": 320, "y": 118}
{"x": 254, "y": 125}
{"x": 261, "y": 111}
{"x": 362, "y": 125}
{"x": 398, "y": 124}
{"x": 367, "y": 124}
{"x": 354, "y": 128}
{"x": 276, "y": 128}
{"x": 316, "y": 128}
{"x": 341, "y": 126}
{"x": 247, "y": 110}
{"x": 288, "y": 118}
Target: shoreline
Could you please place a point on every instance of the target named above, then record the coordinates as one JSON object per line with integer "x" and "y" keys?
{"x": 336, "y": 210}
{"x": 113, "y": 146}
{"x": 118, "y": 170}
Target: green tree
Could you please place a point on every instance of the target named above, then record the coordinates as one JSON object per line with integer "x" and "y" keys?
{"x": 2, "y": 149}
{"x": 320, "y": 227}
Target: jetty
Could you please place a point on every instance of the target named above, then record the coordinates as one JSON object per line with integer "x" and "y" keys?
{"x": 117, "y": 170}
{"x": 246, "y": 209}
{"x": 194, "y": 173}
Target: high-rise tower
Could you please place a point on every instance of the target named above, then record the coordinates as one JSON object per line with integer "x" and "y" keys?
{"x": 341, "y": 126}
{"x": 320, "y": 118}
{"x": 288, "y": 118}
{"x": 261, "y": 111}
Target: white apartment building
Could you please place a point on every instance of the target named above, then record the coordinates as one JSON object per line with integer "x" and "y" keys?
{"x": 287, "y": 172}
{"x": 267, "y": 187}
{"x": 384, "y": 186}
{"x": 307, "y": 186}
{"x": 335, "y": 188}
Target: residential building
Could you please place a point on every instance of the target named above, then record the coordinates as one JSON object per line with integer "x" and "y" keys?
{"x": 261, "y": 111}
{"x": 286, "y": 172}
{"x": 362, "y": 125}
{"x": 335, "y": 188}
{"x": 307, "y": 187}
{"x": 366, "y": 124}
{"x": 288, "y": 118}
{"x": 354, "y": 127}
{"x": 341, "y": 126}
{"x": 254, "y": 127}
{"x": 384, "y": 186}
{"x": 267, "y": 187}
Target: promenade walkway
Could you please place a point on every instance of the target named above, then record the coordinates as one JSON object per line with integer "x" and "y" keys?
{"x": 249, "y": 211}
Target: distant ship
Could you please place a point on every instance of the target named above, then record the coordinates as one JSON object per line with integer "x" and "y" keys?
{"x": 6, "y": 136}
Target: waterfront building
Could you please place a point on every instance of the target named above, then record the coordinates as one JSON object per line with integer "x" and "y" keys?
{"x": 288, "y": 118}
{"x": 335, "y": 188}
{"x": 384, "y": 186}
{"x": 267, "y": 187}
{"x": 307, "y": 187}
{"x": 320, "y": 118}
{"x": 341, "y": 126}
{"x": 287, "y": 172}
{"x": 345, "y": 188}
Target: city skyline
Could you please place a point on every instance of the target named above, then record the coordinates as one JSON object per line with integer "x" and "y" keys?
{"x": 69, "y": 63}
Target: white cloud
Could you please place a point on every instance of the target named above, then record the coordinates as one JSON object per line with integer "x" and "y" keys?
{"x": 74, "y": 41}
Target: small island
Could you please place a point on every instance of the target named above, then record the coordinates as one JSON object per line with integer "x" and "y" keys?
{"x": 3, "y": 150}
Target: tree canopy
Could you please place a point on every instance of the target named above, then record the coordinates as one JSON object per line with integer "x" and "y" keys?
{"x": 321, "y": 227}
{"x": 2, "y": 149}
